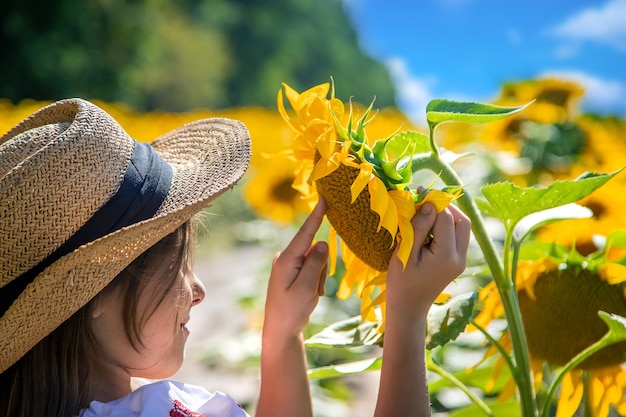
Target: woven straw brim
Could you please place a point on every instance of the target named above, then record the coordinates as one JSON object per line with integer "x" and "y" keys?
{"x": 208, "y": 157}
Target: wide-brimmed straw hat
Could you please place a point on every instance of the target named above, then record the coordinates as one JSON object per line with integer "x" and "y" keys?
{"x": 80, "y": 199}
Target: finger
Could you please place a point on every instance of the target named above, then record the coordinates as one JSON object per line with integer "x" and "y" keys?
{"x": 463, "y": 227}
{"x": 301, "y": 242}
{"x": 314, "y": 266}
{"x": 443, "y": 232}
{"x": 321, "y": 288}
{"x": 422, "y": 223}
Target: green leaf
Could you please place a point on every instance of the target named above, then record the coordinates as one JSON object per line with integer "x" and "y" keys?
{"x": 439, "y": 111}
{"x": 510, "y": 408}
{"x": 532, "y": 250}
{"x": 351, "y": 332}
{"x": 541, "y": 218}
{"x": 344, "y": 369}
{"x": 486, "y": 208}
{"x": 398, "y": 142}
{"x": 511, "y": 203}
{"x": 616, "y": 238}
{"x": 478, "y": 378}
{"x": 446, "y": 321}
{"x": 617, "y": 327}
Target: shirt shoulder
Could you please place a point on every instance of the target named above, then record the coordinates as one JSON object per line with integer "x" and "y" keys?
{"x": 168, "y": 399}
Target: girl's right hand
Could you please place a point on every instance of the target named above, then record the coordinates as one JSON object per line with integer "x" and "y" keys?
{"x": 411, "y": 292}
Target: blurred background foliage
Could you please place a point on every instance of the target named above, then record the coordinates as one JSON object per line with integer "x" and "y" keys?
{"x": 177, "y": 56}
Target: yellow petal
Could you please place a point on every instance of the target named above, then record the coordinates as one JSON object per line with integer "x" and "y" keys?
{"x": 361, "y": 181}
{"x": 292, "y": 96}
{"x": 324, "y": 167}
{"x": 381, "y": 203}
{"x": 571, "y": 394}
{"x": 612, "y": 273}
{"x": 508, "y": 391}
{"x": 442, "y": 298}
{"x": 367, "y": 306}
{"x": 332, "y": 251}
{"x": 379, "y": 199}
{"x": 406, "y": 210}
{"x": 529, "y": 271}
{"x": 440, "y": 199}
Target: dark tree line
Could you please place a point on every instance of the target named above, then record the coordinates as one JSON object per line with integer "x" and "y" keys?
{"x": 178, "y": 55}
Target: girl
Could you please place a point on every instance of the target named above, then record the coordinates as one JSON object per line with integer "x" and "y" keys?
{"x": 96, "y": 280}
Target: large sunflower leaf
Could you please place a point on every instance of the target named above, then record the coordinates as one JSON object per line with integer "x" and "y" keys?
{"x": 439, "y": 111}
{"x": 510, "y": 203}
{"x": 351, "y": 332}
{"x": 541, "y": 218}
{"x": 344, "y": 369}
{"x": 446, "y": 321}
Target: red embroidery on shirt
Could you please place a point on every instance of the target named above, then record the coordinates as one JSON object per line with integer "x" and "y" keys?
{"x": 180, "y": 410}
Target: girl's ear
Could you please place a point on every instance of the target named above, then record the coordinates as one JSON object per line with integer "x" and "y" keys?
{"x": 99, "y": 305}
{"x": 96, "y": 309}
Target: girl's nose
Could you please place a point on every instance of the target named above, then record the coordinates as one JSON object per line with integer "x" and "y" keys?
{"x": 199, "y": 291}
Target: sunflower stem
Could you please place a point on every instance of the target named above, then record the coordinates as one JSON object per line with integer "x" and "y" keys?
{"x": 522, "y": 371}
{"x": 433, "y": 367}
{"x": 431, "y": 137}
{"x": 494, "y": 342}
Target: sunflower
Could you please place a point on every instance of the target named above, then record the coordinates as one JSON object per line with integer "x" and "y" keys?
{"x": 605, "y": 151}
{"x": 271, "y": 194}
{"x": 559, "y": 298}
{"x": 365, "y": 185}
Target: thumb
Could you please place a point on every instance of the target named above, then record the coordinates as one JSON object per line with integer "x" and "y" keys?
{"x": 311, "y": 271}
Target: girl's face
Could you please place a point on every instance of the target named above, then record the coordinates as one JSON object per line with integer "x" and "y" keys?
{"x": 162, "y": 337}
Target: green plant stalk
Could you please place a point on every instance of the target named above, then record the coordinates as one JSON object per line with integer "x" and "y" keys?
{"x": 504, "y": 353}
{"x": 571, "y": 365}
{"x": 576, "y": 360}
{"x": 522, "y": 372}
{"x": 433, "y": 367}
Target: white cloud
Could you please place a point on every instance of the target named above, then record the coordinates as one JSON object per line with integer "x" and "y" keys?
{"x": 605, "y": 24}
{"x": 413, "y": 93}
{"x": 601, "y": 95}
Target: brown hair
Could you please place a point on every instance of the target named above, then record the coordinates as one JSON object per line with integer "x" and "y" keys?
{"x": 51, "y": 380}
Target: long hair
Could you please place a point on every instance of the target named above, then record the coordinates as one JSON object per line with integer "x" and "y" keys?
{"x": 52, "y": 379}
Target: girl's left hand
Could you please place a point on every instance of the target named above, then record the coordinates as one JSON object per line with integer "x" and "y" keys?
{"x": 296, "y": 281}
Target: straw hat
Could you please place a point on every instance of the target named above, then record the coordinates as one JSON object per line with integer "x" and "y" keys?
{"x": 71, "y": 162}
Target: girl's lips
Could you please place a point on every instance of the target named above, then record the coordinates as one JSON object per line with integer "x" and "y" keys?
{"x": 183, "y": 326}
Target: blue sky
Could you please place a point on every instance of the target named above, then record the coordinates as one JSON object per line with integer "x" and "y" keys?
{"x": 466, "y": 49}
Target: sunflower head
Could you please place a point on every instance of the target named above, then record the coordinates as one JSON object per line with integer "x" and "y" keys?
{"x": 365, "y": 183}
{"x": 560, "y": 296}
{"x": 354, "y": 221}
{"x": 561, "y": 319}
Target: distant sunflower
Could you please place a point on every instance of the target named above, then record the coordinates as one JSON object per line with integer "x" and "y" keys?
{"x": 605, "y": 151}
{"x": 559, "y": 302}
{"x": 271, "y": 194}
{"x": 366, "y": 187}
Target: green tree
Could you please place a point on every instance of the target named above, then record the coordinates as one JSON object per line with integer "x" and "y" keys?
{"x": 157, "y": 54}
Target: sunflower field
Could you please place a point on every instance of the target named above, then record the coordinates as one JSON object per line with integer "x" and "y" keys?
{"x": 536, "y": 325}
